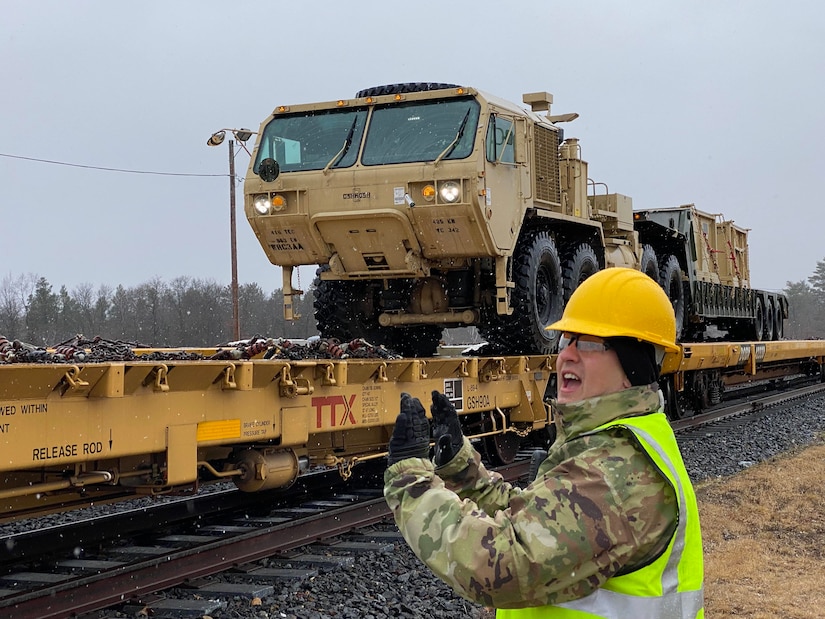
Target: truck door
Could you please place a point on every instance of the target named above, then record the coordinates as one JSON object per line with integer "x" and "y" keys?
{"x": 507, "y": 180}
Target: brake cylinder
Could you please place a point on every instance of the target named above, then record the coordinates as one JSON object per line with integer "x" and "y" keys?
{"x": 266, "y": 469}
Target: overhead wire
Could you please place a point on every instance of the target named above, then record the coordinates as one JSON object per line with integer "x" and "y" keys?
{"x": 92, "y": 167}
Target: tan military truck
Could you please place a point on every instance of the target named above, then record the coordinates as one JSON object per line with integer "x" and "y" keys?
{"x": 435, "y": 205}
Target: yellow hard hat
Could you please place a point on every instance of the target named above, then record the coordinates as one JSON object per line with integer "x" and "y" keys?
{"x": 621, "y": 302}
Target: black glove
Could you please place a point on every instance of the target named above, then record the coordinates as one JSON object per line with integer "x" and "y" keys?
{"x": 446, "y": 429}
{"x": 411, "y": 435}
{"x": 537, "y": 457}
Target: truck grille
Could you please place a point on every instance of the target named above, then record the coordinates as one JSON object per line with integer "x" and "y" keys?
{"x": 547, "y": 164}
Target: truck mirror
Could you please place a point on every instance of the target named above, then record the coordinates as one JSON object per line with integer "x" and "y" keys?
{"x": 269, "y": 170}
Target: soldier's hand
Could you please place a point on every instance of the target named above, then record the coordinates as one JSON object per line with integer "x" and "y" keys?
{"x": 446, "y": 429}
{"x": 411, "y": 435}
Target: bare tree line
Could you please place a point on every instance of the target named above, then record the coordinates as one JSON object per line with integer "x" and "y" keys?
{"x": 181, "y": 312}
{"x": 806, "y": 300}
{"x": 194, "y": 312}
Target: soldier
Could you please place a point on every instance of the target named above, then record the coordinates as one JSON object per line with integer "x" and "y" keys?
{"x": 609, "y": 527}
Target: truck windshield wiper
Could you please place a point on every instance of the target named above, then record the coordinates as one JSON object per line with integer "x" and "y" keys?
{"x": 344, "y": 148}
{"x": 457, "y": 137}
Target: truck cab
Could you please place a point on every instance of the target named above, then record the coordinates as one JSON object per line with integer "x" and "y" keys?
{"x": 413, "y": 200}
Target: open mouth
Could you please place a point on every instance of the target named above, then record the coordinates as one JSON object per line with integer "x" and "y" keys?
{"x": 569, "y": 380}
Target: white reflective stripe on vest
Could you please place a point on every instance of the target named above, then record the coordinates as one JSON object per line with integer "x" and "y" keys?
{"x": 685, "y": 605}
{"x": 605, "y": 603}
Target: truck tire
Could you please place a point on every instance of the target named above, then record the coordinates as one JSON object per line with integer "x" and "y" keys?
{"x": 779, "y": 328}
{"x": 398, "y": 89}
{"x": 336, "y": 306}
{"x": 670, "y": 278}
{"x": 537, "y": 300}
{"x": 758, "y": 326}
{"x": 649, "y": 263}
{"x": 345, "y": 311}
{"x": 415, "y": 341}
{"x": 770, "y": 317}
{"x": 538, "y": 295}
{"x": 328, "y": 303}
{"x": 580, "y": 264}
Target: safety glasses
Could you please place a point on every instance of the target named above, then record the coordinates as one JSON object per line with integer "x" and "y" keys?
{"x": 582, "y": 345}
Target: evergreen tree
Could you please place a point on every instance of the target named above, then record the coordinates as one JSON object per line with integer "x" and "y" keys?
{"x": 100, "y": 313}
{"x": 817, "y": 281}
{"x": 68, "y": 319}
{"x": 43, "y": 315}
{"x": 805, "y": 316}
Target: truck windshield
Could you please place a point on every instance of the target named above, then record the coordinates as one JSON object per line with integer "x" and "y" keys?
{"x": 313, "y": 140}
{"x": 421, "y": 131}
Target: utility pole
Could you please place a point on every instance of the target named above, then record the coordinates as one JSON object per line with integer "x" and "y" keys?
{"x": 233, "y": 247}
{"x": 242, "y": 135}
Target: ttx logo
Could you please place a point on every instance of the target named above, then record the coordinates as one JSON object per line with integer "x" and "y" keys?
{"x": 332, "y": 403}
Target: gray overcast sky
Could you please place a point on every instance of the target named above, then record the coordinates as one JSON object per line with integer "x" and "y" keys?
{"x": 715, "y": 103}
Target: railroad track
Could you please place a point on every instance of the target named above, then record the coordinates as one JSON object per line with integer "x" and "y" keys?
{"x": 296, "y": 538}
{"x": 742, "y": 411}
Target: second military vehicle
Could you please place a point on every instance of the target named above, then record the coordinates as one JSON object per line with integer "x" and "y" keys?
{"x": 428, "y": 206}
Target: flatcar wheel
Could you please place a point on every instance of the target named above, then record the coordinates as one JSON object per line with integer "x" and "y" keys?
{"x": 673, "y": 406}
{"x": 498, "y": 449}
{"x": 501, "y": 448}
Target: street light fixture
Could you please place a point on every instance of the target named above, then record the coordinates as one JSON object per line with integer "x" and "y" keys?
{"x": 216, "y": 139}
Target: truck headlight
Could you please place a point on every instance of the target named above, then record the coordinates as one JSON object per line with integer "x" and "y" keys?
{"x": 265, "y": 204}
{"x": 261, "y": 204}
{"x": 450, "y": 191}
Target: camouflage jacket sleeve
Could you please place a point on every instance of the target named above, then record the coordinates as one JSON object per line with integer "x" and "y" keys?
{"x": 598, "y": 504}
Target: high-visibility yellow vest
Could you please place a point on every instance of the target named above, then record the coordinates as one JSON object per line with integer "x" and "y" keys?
{"x": 671, "y": 586}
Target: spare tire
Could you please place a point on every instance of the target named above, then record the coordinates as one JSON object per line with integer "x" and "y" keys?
{"x": 397, "y": 89}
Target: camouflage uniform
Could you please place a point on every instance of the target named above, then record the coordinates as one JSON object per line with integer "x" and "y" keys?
{"x": 598, "y": 507}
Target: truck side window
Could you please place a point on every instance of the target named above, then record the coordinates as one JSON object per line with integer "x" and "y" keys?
{"x": 500, "y": 140}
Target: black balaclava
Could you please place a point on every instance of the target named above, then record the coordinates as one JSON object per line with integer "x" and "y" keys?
{"x": 638, "y": 359}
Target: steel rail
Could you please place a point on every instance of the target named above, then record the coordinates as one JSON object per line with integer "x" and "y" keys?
{"x": 129, "y": 582}
{"x": 749, "y": 406}
{"x": 90, "y": 593}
